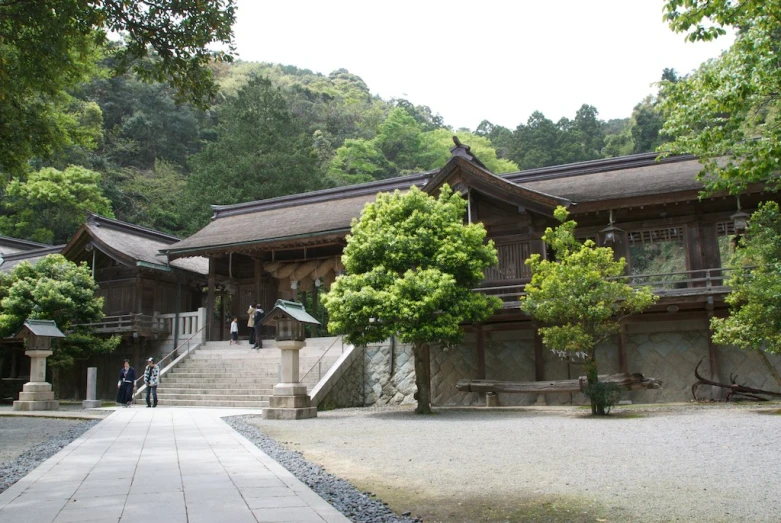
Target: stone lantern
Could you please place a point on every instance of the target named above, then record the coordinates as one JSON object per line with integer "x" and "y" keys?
{"x": 37, "y": 394}
{"x": 290, "y": 399}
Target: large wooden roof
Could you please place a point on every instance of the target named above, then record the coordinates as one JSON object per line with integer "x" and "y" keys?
{"x": 32, "y": 256}
{"x": 130, "y": 245}
{"x": 10, "y": 245}
{"x": 308, "y": 218}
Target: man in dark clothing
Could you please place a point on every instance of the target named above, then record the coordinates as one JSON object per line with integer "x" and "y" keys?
{"x": 258, "y": 317}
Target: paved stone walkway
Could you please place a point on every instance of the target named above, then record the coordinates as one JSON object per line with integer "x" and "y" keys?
{"x": 163, "y": 465}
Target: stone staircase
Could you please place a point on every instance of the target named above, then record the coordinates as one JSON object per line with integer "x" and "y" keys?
{"x": 223, "y": 375}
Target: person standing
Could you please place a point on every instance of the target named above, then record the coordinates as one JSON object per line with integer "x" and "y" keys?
{"x": 126, "y": 384}
{"x": 257, "y": 317}
{"x": 151, "y": 379}
{"x": 251, "y": 324}
{"x": 234, "y": 332}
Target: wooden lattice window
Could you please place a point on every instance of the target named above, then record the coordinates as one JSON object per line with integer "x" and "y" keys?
{"x": 511, "y": 262}
{"x": 658, "y": 252}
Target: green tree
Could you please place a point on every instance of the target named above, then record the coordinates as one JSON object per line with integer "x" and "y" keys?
{"x": 577, "y": 300}
{"x": 411, "y": 265}
{"x": 262, "y": 151}
{"x": 359, "y": 161}
{"x": 51, "y": 204}
{"x": 55, "y": 289}
{"x": 729, "y": 107}
{"x": 50, "y": 46}
{"x": 755, "y": 309}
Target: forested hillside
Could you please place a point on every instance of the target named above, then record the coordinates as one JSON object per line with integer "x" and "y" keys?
{"x": 141, "y": 156}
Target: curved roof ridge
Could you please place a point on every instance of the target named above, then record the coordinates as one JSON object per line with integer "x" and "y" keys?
{"x": 388, "y": 184}
{"x": 592, "y": 166}
{"x": 138, "y": 229}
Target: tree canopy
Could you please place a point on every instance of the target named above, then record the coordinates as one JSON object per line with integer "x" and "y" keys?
{"x": 411, "y": 264}
{"x": 755, "y": 281}
{"x": 729, "y": 107}
{"x": 577, "y": 299}
{"x": 50, "y": 46}
{"x": 54, "y": 289}
{"x": 51, "y": 204}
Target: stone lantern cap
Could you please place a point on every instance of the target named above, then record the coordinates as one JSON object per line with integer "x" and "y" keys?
{"x": 44, "y": 328}
{"x": 288, "y": 309}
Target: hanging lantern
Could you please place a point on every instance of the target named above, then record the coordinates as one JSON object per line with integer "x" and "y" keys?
{"x": 611, "y": 234}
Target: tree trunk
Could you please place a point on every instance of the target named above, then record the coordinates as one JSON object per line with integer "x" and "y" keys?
{"x": 422, "y": 378}
{"x": 593, "y": 378}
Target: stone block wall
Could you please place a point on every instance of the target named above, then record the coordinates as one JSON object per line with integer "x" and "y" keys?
{"x": 667, "y": 351}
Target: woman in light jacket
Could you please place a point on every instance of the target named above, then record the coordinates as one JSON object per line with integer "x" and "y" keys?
{"x": 251, "y": 324}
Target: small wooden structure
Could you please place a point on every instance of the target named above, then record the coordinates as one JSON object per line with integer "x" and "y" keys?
{"x": 290, "y": 399}
{"x": 37, "y": 393}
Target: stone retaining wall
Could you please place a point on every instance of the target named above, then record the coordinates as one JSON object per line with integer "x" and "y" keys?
{"x": 667, "y": 351}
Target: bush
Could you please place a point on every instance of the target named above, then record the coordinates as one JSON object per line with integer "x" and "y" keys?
{"x": 603, "y": 396}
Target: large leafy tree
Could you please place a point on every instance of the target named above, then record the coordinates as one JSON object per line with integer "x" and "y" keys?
{"x": 578, "y": 300}
{"x": 55, "y": 289}
{"x": 262, "y": 150}
{"x": 727, "y": 113}
{"x": 755, "y": 316}
{"x": 51, "y": 204}
{"x": 411, "y": 266}
{"x": 50, "y": 46}
{"x": 729, "y": 107}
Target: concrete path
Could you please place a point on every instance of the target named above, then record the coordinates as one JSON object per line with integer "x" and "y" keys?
{"x": 164, "y": 465}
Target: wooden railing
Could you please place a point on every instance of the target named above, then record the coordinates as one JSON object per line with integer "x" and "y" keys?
{"x": 702, "y": 281}
{"x": 172, "y": 358}
{"x": 127, "y": 323}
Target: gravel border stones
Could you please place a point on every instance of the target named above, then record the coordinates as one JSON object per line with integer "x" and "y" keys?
{"x": 354, "y": 504}
{"x": 13, "y": 471}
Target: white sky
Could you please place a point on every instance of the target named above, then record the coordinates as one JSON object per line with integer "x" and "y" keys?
{"x": 469, "y": 61}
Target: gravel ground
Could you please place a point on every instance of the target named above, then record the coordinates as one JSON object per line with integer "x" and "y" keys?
{"x": 26, "y": 442}
{"x": 715, "y": 463}
{"x": 356, "y": 505}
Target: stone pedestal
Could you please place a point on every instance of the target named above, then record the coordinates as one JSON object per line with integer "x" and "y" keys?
{"x": 37, "y": 394}
{"x": 92, "y": 385}
{"x": 290, "y": 399}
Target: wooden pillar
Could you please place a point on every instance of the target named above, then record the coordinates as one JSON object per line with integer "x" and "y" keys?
{"x": 713, "y": 359}
{"x": 258, "y": 274}
{"x": 623, "y": 362}
{"x": 14, "y": 363}
{"x": 222, "y": 315}
{"x": 539, "y": 363}
{"x": 210, "y": 300}
{"x": 480, "y": 353}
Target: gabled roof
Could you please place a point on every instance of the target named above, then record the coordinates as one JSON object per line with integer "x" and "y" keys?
{"x": 600, "y": 182}
{"x": 12, "y": 260}
{"x": 40, "y": 328}
{"x": 289, "y": 218}
{"x": 318, "y": 215}
{"x": 476, "y": 176}
{"x": 10, "y": 245}
{"x": 291, "y": 309}
{"x": 130, "y": 245}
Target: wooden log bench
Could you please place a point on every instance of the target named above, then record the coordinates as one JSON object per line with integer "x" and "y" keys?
{"x": 634, "y": 381}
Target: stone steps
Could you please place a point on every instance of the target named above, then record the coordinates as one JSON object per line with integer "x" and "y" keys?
{"x": 223, "y": 375}
{"x": 218, "y": 392}
{"x": 211, "y": 402}
{"x": 164, "y": 396}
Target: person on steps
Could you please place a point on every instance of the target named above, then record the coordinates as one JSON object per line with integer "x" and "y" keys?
{"x": 151, "y": 379}
{"x": 234, "y": 332}
{"x": 256, "y": 318}
{"x": 126, "y": 384}
{"x": 251, "y": 324}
